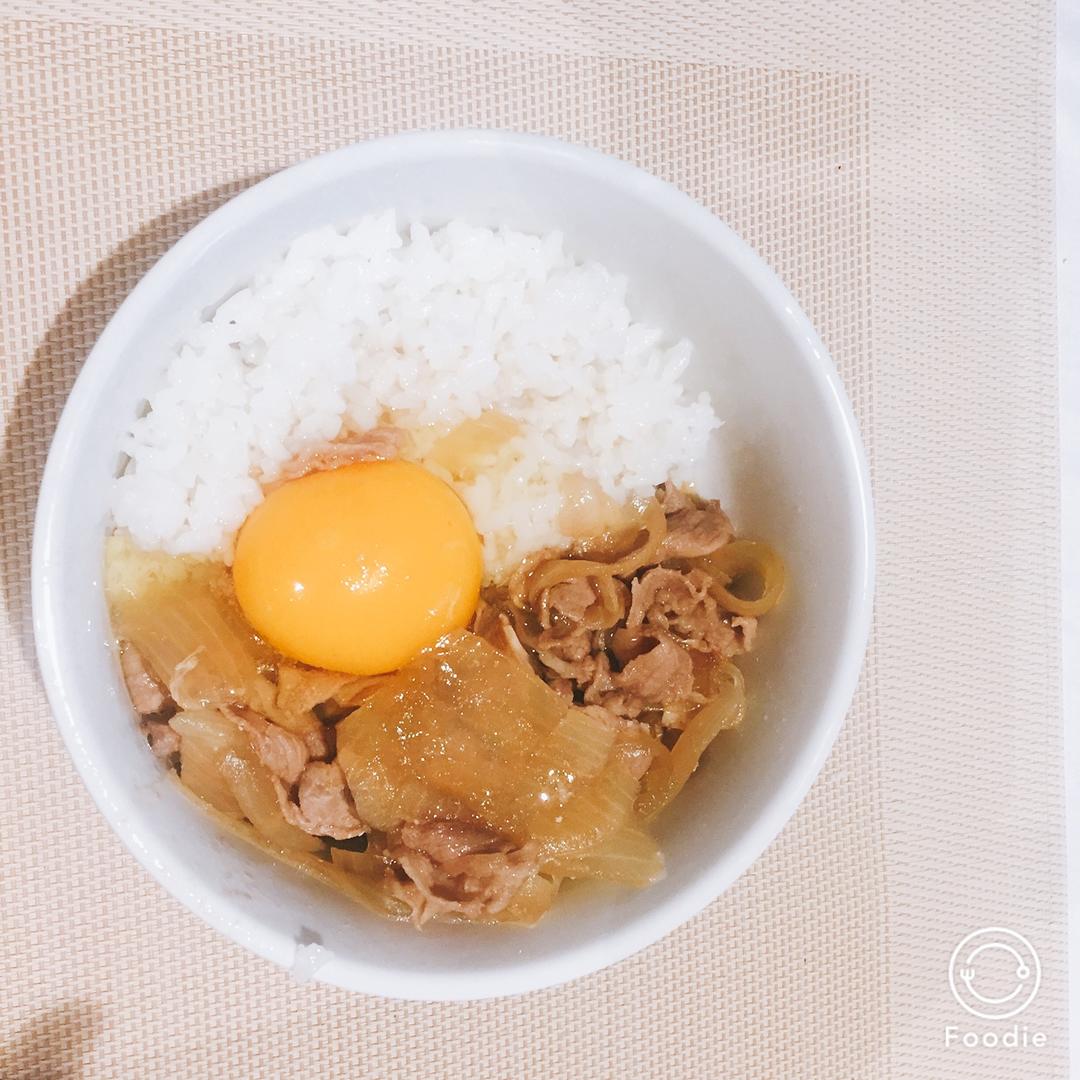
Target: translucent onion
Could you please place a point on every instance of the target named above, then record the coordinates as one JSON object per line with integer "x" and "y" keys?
{"x": 205, "y": 737}
{"x": 361, "y": 875}
{"x": 463, "y": 451}
{"x": 183, "y": 620}
{"x": 455, "y": 733}
{"x": 581, "y": 744}
{"x": 218, "y": 765}
{"x": 743, "y": 558}
{"x": 610, "y": 546}
{"x": 589, "y": 815}
{"x": 257, "y": 798}
{"x": 300, "y": 688}
{"x": 588, "y": 511}
{"x": 364, "y": 888}
{"x": 628, "y": 857}
{"x": 527, "y": 583}
{"x": 670, "y": 771}
{"x": 383, "y": 796}
{"x": 529, "y": 904}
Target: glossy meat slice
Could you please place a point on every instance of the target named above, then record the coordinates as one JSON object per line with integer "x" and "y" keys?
{"x": 660, "y": 676}
{"x": 458, "y": 869}
{"x": 146, "y": 693}
{"x": 283, "y": 753}
{"x": 694, "y": 526}
{"x": 324, "y": 806}
{"x": 569, "y": 600}
{"x": 679, "y": 602}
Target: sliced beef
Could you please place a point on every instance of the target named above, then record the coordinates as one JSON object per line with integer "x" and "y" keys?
{"x": 570, "y": 600}
{"x": 283, "y": 753}
{"x": 147, "y": 695}
{"x": 693, "y": 529}
{"x": 317, "y": 737}
{"x": 563, "y": 687}
{"x": 324, "y": 805}
{"x": 601, "y": 682}
{"x": 633, "y": 642}
{"x": 570, "y": 654}
{"x": 577, "y": 665}
{"x": 445, "y": 841}
{"x": 661, "y": 594}
{"x": 379, "y": 444}
{"x": 583, "y": 601}
{"x": 673, "y": 498}
{"x": 453, "y": 868}
{"x": 636, "y": 757}
{"x": 660, "y": 677}
{"x": 164, "y": 742}
{"x": 679, "y": 602}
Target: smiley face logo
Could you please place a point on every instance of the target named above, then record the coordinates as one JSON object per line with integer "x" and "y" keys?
{"x": 994, "y": 973}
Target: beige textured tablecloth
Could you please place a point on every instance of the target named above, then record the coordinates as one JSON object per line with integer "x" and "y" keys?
{"x": 893, "y": 162}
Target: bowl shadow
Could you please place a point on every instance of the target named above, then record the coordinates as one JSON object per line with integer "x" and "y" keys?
{"x": 50, "y": 375}
{"x": 53, "y": 1044}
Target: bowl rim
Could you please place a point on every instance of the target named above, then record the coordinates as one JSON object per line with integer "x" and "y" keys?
{"x": 224, "y": 913}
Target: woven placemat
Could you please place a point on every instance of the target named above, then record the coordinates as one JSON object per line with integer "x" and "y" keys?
{"x": 893, "y": 163}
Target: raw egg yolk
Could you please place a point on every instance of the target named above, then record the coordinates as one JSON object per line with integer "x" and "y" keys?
{"x": 357, "y": 569}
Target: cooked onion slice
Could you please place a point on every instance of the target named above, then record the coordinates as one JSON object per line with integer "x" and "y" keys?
{"x": 669, "y": 772}
{"x": 529, "y": 582}
{"x": 254, "y": 792}
{"x": 628, "y": 857}
{"x": 205, "y": 738}
{"x": 737, "y": 561}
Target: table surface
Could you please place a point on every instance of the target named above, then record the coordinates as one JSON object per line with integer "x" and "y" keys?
{"x": 895, "y": 163}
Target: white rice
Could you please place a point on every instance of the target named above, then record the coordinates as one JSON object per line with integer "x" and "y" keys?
{"x": 364, "y": 325}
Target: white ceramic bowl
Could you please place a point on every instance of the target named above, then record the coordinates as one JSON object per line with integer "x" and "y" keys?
{"x": 790, "y": 468}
